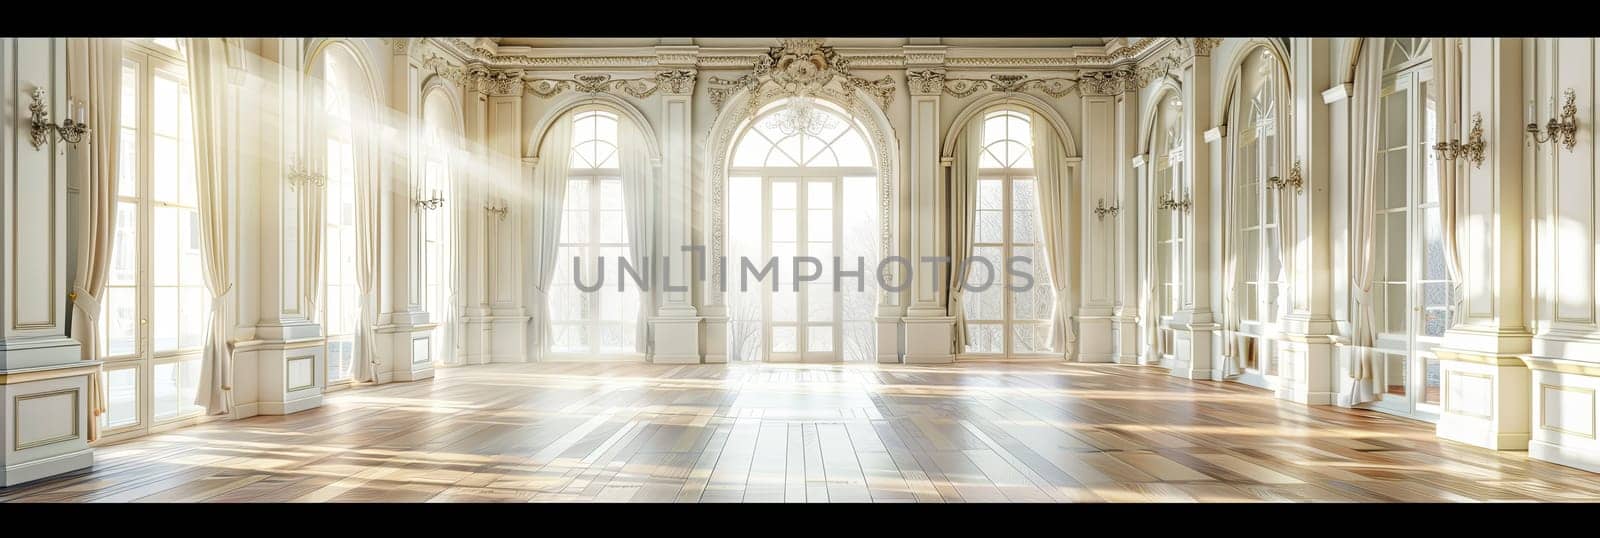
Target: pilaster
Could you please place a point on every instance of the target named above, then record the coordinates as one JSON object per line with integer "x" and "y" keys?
{"x": 1305, "y": 349}
{"x": 1194, "y": 347}
{"x": 1480, "y": 365}
{"x": 677, "y": 324}
{"x": 1098, "y": 246}
{"x": 288, "y": 347}
{"x": 929, "y": 327}
{"x": 44, "y": 384}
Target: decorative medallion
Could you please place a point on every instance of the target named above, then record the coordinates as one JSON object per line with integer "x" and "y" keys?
{"x": 801, "y": 67}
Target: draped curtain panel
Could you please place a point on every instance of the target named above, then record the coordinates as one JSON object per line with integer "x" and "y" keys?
{"x": 368, "y": 151}
{"x": 1052, "y": 178}
{"x": 103, "y": 58}
{"x": 1230, "y": 243}
{"x": 1448, "y": 88}
{"x": 1152, "y": 307}
{"x": 209, "y": 80}
{"x": 1365, "y": 120}
{"x": 638, "y": 188}
{"x": 549, "y": 195}
{"x": 313, "y": 199}
{"x": 963, "y": 207}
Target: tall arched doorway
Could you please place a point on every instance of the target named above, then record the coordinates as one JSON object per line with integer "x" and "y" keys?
{"x": 802, "y": 186}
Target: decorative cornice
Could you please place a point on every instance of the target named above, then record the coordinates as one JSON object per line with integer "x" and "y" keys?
{"x": 1127, "y": 78}
{"x": 400, "y": 45}
{"x": 1055, "y": 87}
{"x": 675, "y": 82}
{"x": 886, "y": 58}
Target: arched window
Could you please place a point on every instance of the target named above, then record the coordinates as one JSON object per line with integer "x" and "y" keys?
{"x": 594, "y": 225}
{"x": 1001, "y": 321}
{"x": 343, "y": 91}
{"x": 802, "y": 183}
{"x": 1258, "y": 156}
{"x": 1411, "y": 287}
{"x": 156, "y": 302}
{"x": 1166, "y": 156}
{"x": 439, "y": 139}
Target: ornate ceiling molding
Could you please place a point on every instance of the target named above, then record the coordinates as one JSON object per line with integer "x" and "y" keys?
{"x": 711, "y": 59}
{"x": 475, "y": 78}
{"x": 1108, "y": 82}
{"x": 801, "y": 65}
{"x": 1057, "y": 87}
{"x": 672, "y": 82}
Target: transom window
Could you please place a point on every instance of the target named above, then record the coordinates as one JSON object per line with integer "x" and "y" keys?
{"x": 1000, "y": 320}
{"x": 594, "y": 225}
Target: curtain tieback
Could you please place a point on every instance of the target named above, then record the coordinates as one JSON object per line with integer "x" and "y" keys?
{"x": 85, "y": 301}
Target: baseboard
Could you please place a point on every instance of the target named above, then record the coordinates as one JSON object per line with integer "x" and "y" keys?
{"x": 1479, "y": 433}
{"x": 12, "y": 475}
{"x": 290, "y": 407}
{"x": 929, "y": 359}
{"x": 1588, "y": 460}
{"x": 246, "y": 410}
{"x": 1191, "y": 374}
{"x": 888, "y": 358}
{"x": 413, "y": 375}
{"x": 1096, "y": 358}
{"x": 661, "y": 358}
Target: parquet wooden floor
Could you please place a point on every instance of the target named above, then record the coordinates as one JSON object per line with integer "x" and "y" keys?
{"x": 973, "y": 432}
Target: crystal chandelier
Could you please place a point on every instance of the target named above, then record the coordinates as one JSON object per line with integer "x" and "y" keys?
{"x": 800, "y": 115}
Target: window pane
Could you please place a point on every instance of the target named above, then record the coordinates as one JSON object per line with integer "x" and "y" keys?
{"x": 122, "y": 398}
{"x": 121, "y": 321}
{"x": 819, "y": 338}
{"x": 165, "y": 320}
{"x": 783, "y": 339}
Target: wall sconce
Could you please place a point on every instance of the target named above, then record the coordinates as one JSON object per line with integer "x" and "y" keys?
{"x": 1565, "y": 131}
{"x": 1167, "y": 202}
{"x": 435, "y": 201}
{"x": 1295, "y": 179}
{"x": 70, "y": 131}
{"x": 1100, "y": 209}
{"x": 1472, "y": 150}
{"x": 498, "y": 210}
{"x": 299, "y": 175}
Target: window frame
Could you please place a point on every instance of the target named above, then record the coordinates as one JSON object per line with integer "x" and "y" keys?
{"x": 1009, "y": 177}
{"x": 149, "y": 60}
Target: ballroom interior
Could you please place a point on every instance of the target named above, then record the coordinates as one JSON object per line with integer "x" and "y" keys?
{"x": 1303, "y": 269}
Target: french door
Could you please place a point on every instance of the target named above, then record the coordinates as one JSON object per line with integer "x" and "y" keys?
{"x": 802, "y": 320}
{"x": 1412, "y": 291}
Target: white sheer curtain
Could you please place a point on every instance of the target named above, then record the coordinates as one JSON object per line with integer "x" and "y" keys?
{"x": 209, "y": 78}
{"x": 549, "y": 195}
{"x": 963, "y": 207}
{"x": 368, "y": 151}
{"x": 103, "y": 58}
{"x": 1050, "y": 171}
{"x": 638, "y": 187}
{"x": 1365, "y": 120}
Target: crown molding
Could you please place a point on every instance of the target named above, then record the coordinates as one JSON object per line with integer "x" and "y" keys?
{"x": 466, "y": 52}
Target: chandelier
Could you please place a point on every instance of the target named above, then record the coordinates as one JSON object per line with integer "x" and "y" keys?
{"x": 800, "y": 115}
